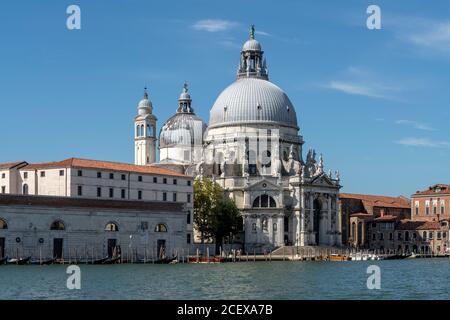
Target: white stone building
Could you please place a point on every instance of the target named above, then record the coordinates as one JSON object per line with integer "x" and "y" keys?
{"x": 116, "y": 184}
{"x": 252, "y": 147}
{"x": 80, "y": 229}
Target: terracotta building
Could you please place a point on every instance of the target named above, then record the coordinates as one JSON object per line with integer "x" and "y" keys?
{"x": 358, "y": 209}
{"x": 432, "y": 204}
{"x": 389, "y": 235}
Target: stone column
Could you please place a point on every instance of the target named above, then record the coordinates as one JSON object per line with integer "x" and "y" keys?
{"x": 297, "y": 216}
{"x": 280, "y": 226}
{"x": 311, "y": 218}
{"x": 329, "y": 229}
{"x": 247, "y": 199}
{"x": 302, "y": 220}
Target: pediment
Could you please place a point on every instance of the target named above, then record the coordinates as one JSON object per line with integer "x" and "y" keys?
{"x": 264, "y": 184}
{"x": 323, "y": 180}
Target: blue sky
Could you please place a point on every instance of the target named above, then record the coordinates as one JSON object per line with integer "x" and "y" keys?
{"x": 375, "y": 103}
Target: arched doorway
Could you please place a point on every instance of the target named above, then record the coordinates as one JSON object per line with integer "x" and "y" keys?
{"x": 317, "y": 210}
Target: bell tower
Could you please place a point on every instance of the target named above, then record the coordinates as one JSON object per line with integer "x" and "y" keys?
{"x": 145, "y": 133}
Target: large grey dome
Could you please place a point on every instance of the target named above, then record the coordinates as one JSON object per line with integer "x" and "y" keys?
{"x": 252, "y": 100}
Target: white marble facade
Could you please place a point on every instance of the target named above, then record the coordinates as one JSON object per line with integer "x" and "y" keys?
{"x": 253, "y": 148}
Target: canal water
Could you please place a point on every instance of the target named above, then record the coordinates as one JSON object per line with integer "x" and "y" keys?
{"x": 400, "y": 279}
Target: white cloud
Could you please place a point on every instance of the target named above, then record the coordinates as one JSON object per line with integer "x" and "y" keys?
{"x": 435, "y": 36}
{"x": 423, "y": 142}
{"x": 214, "y": 25}
{"x": 416, "y": 125}
{"x": 354, "y": 89}
{"x": 262, "y": 33}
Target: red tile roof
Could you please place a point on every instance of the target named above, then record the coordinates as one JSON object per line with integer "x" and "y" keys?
{"x": 379, "y": 201}
{"x": 61, "y": 202}
{"x": 418, "y": 225}
{"x": 10, "y": 165}
{"x": 387, "y": 218}
{"x": 361, "y": 215}
{"x": 437, "y": 189}
{"x": 95, "y": 164}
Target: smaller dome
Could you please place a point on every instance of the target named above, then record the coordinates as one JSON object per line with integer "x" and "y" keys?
{"x": 184, "y": 94}
{"x": 251, "y": 45}
{"x": 145, "y": 105}
{"x": 183, "y": 129}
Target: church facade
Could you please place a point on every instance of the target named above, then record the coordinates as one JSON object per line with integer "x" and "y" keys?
{"x": 253, "y": 148}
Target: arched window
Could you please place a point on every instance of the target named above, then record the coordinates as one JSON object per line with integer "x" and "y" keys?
{"x": 138, "y": 130}
{"x": 142, "y": 130}
{"x": 57, "y": 225}
{"x": 111, "y": 226}
{"x": 251, "y": 158}
{"x": 25, "y": 189}
{"x": 3, "y": 224}
{"x": 148, "y": 131}
{"x": 264, "y": 201}
{"x": 161, "y": 228}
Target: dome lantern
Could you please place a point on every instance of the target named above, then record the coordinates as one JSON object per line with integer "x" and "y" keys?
{"x": 185, "y": 101}
{"x": 252, "y": 63}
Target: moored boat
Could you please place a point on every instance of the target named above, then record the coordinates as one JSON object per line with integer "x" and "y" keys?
{"x": 20, "y": 261}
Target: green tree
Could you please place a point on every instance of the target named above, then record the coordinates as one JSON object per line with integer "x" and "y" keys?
{"x": 215, "y": 215}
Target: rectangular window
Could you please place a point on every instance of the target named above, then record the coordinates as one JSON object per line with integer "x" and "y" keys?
{"x": 122, "y": 193}
{"x": 111, "y": 175}
{"x": 99, "y": 192}
{"x": 174, "y": 196}
{"x": 155, "y": 180}
{"x": 417, "y": 211}
{"x": 434, "y": 210}
{"x": 442, "y": 210}
{"x": 188, "y": 238}
{"x": 25, "y": 175}
{"x": 99, "y": 174}
{"x": 61, "y": 173}
{"x": 374, "y": 236}
{"x": 189, "y": 183}
{"x": 381, "y": 236}
{"x": 111, "y": 192}
{"x": 427, "y": 211}
{"x": 165, "y": 180}
{"x": 175, "y": 181}
{"x": 140, "y": 195}
{"x": 430, "y": 235}
{"x": 164, "y": 196}
{"x": 399, "y": 236}
{"x": 3, "y": 189}
{"x": 144, "y": 225}
{"x": 188, "y": 218}
{"x": 124, "y": 177}
{"x": 140, "y": 178}
{"x": 439, "y": 236}
{"x": 42, "y": 174}
{"x": 391, "y": 236}
{"x": 3, "y": 176}
{"x": 188, "y": 198}
{"x": 80, "y": 190}
{"x": 80, "y": 173}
